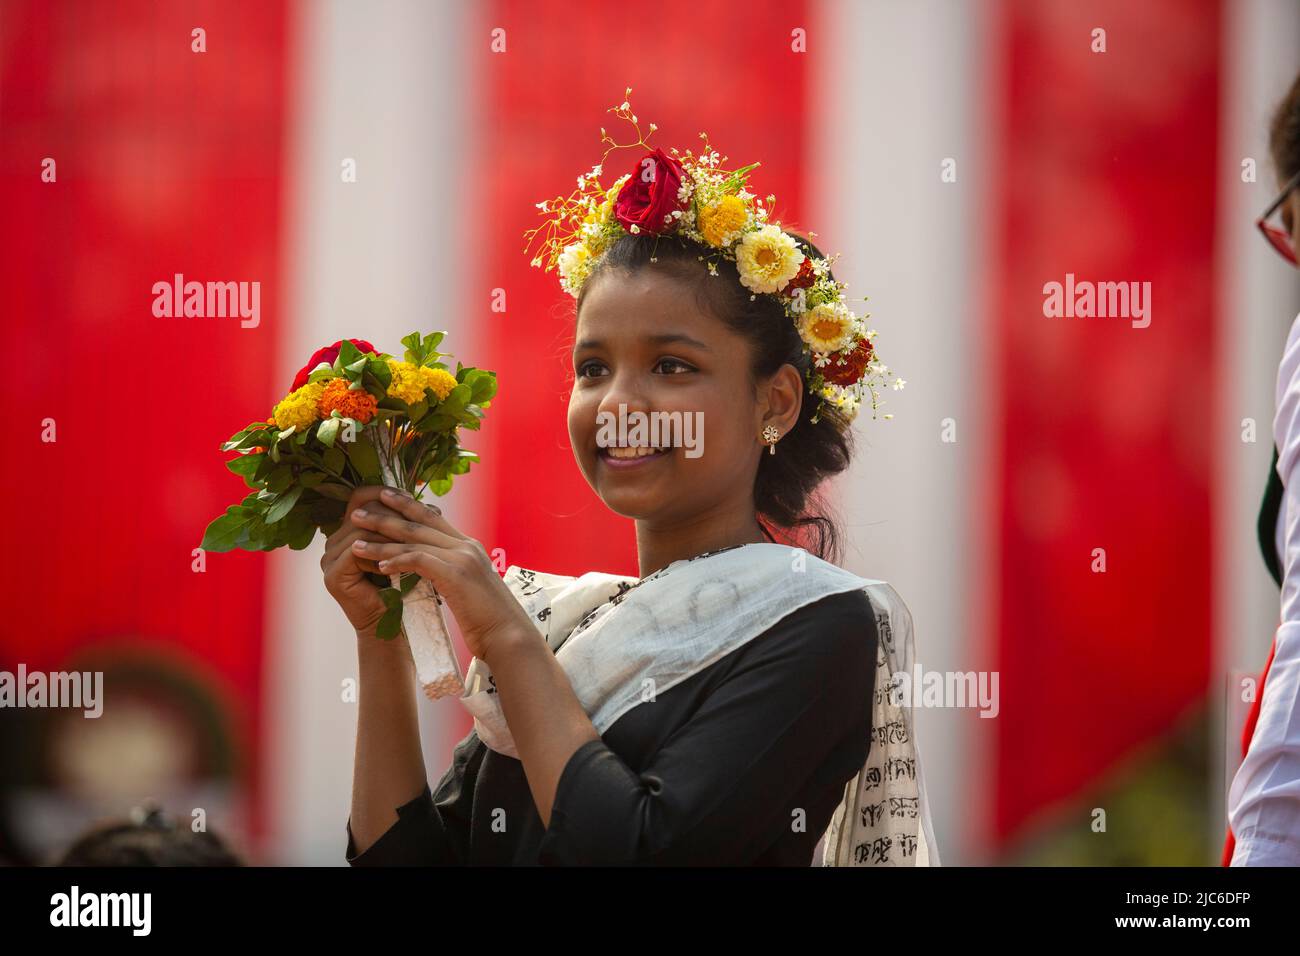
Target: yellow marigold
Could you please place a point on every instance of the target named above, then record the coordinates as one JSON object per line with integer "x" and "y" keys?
{"x": 350, "y": 403}
{"x": 299, "y": 407}
{"x": 723, "y": 221}
{"x": 410, "y": 382}
{"x": 441, "y": 382}
{"x": 406, "y": 383}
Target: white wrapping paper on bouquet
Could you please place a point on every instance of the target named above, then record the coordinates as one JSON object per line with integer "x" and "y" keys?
{"x": 425, "y": 628}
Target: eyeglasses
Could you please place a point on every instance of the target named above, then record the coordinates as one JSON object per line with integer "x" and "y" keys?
{"x": 1279, "y": 238}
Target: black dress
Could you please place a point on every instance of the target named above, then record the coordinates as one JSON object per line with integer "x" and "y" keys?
{"x": 741, "y": 764}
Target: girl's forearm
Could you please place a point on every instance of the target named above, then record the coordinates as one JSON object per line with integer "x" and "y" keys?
{"x": 388, "y": 769}
{"x": 546, "y": 719}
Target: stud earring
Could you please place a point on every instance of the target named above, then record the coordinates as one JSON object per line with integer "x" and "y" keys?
{"x": 770, "y": 435}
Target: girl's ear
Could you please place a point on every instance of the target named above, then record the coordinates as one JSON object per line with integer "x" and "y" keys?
{"x": 781, "y": 399}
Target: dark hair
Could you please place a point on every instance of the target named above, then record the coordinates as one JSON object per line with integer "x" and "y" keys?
{"x": 1284, "y": 134}
{"x": 786, "y": 497}
{"x": 155, "y": 841}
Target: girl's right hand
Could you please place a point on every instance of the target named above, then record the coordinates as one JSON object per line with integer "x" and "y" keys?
{"x": 345, "y": 571}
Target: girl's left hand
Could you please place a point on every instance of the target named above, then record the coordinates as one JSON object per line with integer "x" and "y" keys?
{"x": 459, "y": 567}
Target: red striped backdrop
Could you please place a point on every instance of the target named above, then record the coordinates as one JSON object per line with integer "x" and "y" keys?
{"x": 1103, "y": 428}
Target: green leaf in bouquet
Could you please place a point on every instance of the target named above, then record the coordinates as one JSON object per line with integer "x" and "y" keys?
{"x": 473, "y": 417}
{"x": 322, "y": 374}
{"x": 409, "y": 580}
{"x": 260, "y": 436}
{"x": 382, "y": 372}
{"x": 311, "y": 478}
{"x": 335, "y": 461}
{"x": 224, "y": 533}
{"x": 280, "y": 479}
{"x": 264, "y": 468}
{"x": 246, "y": 465}
{"x": 235, "y": 439}
{"x": 299, "y": 529}
{"x": 413, "y": 353}
{"x": 282, "y": 504}
{"x": 328, "y": 431}
{"x": 281, "y": 436}
{"x": 390, "y": 625}
{"x": 422, "y": 349}
{"x": 364, "y": 458}
{"x": 482, "y": 385}
{"x": 436, "y": 421}
{"x": 348, "y": 354}
{"x": 441, "y": 486}
{"x": 240, "y": 438}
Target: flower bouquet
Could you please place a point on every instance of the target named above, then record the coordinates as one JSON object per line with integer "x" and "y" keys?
{"x": 356, "y": 416}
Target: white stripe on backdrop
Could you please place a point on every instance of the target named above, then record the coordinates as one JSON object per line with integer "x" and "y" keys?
{"x": 899, "y": 90}
{"x": 1258, "y": 301}
{"x": 383, "y": 84}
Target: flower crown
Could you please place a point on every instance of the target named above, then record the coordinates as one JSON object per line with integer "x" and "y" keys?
{"x": 695, "y": 197}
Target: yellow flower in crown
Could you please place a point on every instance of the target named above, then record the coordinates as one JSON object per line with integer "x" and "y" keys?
{"x": 724, "y": 220}
{"x": 767, "y": 259}
{"x": 575, "y": 263}
{"x": 827, "y": 327}
{"x": 605, "y": 210}
{"x": 696, "y": 199}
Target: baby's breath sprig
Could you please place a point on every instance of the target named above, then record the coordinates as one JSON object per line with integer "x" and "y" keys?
{"x": 577, "y": 209}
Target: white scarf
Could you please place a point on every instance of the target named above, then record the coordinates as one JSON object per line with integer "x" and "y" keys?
{"x": 690, "y": 614}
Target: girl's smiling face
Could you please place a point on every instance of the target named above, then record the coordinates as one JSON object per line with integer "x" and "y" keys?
{"x": 644, "y": 342}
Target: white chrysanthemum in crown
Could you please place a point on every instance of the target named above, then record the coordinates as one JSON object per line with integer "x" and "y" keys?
{"x": 694, "y": 196}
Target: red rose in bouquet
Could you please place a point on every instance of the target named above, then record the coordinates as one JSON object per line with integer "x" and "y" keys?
{"x": 649, "y": 197}
{"x": 328, "y": 354}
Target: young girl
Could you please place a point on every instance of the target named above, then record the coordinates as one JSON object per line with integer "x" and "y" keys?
{"x": 731, "y": 705}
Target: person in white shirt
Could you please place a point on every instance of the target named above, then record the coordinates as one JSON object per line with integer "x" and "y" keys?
{"x": 1264, "y": 799}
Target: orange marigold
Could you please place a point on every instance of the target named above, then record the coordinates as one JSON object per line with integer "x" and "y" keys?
{"x": 358, "y": 404}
